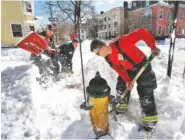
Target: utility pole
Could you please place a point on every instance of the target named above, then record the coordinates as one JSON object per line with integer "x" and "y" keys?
{"x": 78, "y": 12}
{"x": 51, "y": 18}
{"x": 50, "y": 8}
{"x": 172, "y": 39}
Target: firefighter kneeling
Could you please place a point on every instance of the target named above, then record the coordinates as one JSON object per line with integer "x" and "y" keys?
{"x": 98, "y": 92}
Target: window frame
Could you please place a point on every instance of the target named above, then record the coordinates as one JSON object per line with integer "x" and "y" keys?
{"x": 32, "y": 26}
{"x": 160, "y": 13}
{"x": 109, "y": 26}
{"x": 167, "y": 30}
{"x": 115, "y": 24}
{"x": 168, "y": 15}
{"x": 180, "y": 29}
{"x": 181, "y": 16}
{"x": 115, "y": 15}
{"x": 13, "y": 31}
{"x": 158, "y": 31}
{"x": 26, "y": 7}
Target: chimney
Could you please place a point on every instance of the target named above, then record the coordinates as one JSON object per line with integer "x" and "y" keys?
{"x": 101, "y": 12}
{"x": 125, "y": 4}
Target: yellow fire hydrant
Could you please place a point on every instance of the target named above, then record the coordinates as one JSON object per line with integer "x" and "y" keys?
{"x": 98, "y": 92}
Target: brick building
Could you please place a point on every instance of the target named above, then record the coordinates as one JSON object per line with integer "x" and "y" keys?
{"x": 157, "y": 17}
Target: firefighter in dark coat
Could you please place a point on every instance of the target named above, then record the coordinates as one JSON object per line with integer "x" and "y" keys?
{"x": 126, "y": 59}
{"x": 66, "y": 52}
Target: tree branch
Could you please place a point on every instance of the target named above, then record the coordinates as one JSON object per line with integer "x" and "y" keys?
{"x": 65, "y": 12}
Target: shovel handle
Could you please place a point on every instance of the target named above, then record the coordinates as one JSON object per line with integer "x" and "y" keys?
{"x": 139, "y": 74}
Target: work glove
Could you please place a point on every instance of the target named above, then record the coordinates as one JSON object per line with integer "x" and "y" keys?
{"x": 155, "y": 51}
{"x": 129, "y": 85}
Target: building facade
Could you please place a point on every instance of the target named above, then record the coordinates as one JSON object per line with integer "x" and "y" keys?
{"x": 180, "y": 31}
{"x": 63, "y": 32}
{"x": 17, "y": 21}
{"x": 157, "y": 17}
{"x": 111, "y": 23}
{"x": 162, "y": 20}
{"x": 84, "y": 32}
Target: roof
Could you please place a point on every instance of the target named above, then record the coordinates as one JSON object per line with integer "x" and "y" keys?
{"x": 115, "y": 8}
{"x": 161, "y": 4}
{"x": 182, "y": 5}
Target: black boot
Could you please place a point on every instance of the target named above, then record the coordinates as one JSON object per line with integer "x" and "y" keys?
{"x": 149, "y": 117}
{"x": 123, "y": 104}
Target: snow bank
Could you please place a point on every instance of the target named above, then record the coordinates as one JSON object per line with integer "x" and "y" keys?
{"x": 31, "y": 112}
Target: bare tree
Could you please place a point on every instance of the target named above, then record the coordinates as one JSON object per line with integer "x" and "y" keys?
{"x": 67, "y": 11}
{"x": 93, "y": 27}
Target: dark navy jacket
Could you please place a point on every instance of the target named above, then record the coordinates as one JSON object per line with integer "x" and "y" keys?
{"x": 66, "y": 52}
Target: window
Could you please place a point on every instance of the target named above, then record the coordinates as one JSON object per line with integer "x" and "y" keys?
{"x": 183, "y": 31}
{"x": 150, "y": 28}
{"x": 28, "y": 7}
{"x": 115, "y": 24}
{"x": 83, "y": 37}
{"x": 105, "y": 18}
{"x": 115, "y": 33}
{"x": 181, "y": 16}
{"x": 108, "y": 18}
{"x": 82, "y": 31}
{"x": 32, "y": 28}
{"x": 146, "y": 14}
{"x": 161, "y": 15}
{"x": 101, "y": 21}
{"x": 105, "y": 27}
{"x": 16, "y": 30}
{"x": 180, "y": 30}
{"x": 168, "y": 15}
{"x": 109, "y": 25}
{"x": 100, "y": 27}
{"x": 159, "y": 30}
{"x": 115, "y": 15}
{"x": 167, "y": 30}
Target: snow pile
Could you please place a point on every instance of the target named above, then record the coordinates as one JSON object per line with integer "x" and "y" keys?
{"x": 31, "y": 112}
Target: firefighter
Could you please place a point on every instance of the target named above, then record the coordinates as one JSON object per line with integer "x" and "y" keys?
{"x": 126, "y": 59}
{"x": 51, "y": 64}
{"x": 66, "y": 52}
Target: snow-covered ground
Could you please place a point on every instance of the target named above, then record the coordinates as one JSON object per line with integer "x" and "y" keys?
{"x": 30, "y": 112}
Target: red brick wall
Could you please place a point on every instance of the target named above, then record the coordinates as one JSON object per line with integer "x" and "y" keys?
{"x": 162, "y": 22}
{"x": 154, "y": 20}
{"x": 180, "y": 22}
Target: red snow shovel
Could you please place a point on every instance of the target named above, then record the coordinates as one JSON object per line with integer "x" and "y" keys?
{"x": 33, "y": 43}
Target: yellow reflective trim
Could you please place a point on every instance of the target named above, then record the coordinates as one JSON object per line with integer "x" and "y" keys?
{"x": 149, "y": 118}
{"x": 123, "y": 106}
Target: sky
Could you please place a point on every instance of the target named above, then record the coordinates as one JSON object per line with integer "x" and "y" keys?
{"x": 101, "y": 5}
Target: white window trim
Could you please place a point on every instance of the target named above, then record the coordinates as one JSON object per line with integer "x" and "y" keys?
{"x": 30, "y": 8}
{"x": 33, "y": 26}
{"x": 181, "y": 31}
{"x": 158, "y": 31}
{"x": 166, "y": 29}
{"x": 162, "y": 14}
{"x": 168, "y": 12}
{"x": 182, "y": 15}
{"x": 12, "y": 30}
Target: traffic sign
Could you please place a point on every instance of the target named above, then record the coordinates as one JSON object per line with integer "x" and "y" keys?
{"x": 52, "y": 19}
